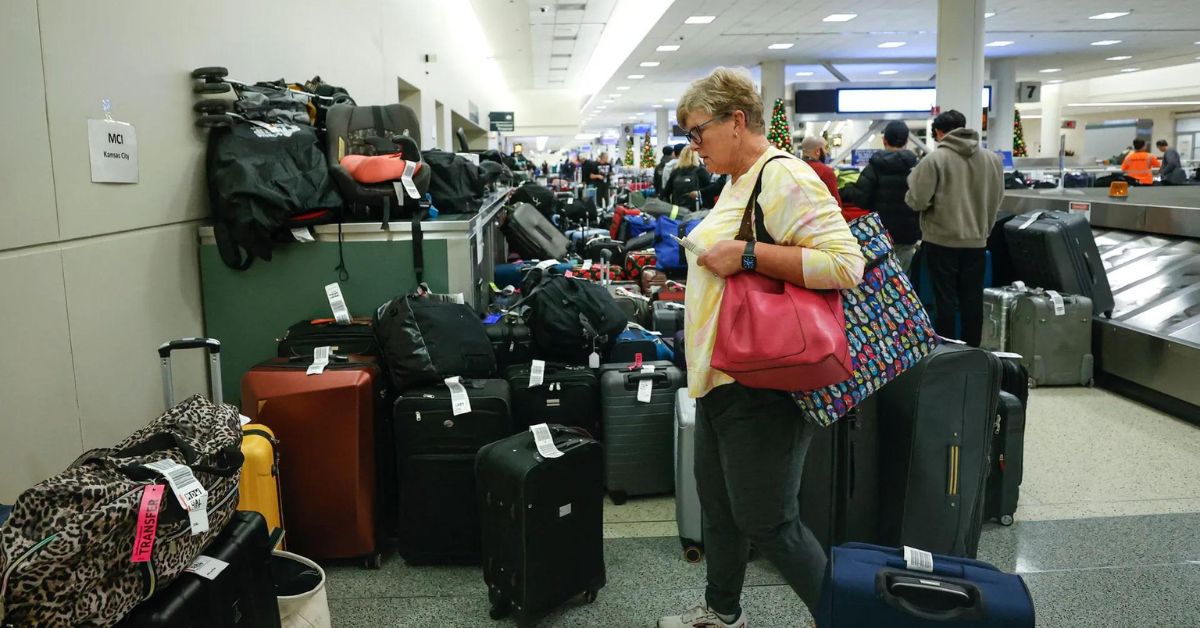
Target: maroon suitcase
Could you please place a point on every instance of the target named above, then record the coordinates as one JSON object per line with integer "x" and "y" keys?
{"x": 326, "y": 425}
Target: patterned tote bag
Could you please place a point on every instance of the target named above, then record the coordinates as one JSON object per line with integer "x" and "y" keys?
{"x": 888, "y": 328}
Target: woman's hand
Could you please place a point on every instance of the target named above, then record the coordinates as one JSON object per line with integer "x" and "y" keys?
{"x": 724, "y": 258}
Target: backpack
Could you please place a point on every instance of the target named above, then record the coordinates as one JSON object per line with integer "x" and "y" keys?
{"x": 244, "y": 165}
{"x": 454, "y": 182}
{"x": 670, "y": 255}
{"x": 540, "y": 196}
{"x": 426, "y": 338}
{"x": 572, "y": 318}
{"x": 66, "y": 550}
{"x": 687, "y": 180}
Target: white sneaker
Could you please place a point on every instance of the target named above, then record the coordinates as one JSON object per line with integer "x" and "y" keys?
{"x": 699, "y": 616}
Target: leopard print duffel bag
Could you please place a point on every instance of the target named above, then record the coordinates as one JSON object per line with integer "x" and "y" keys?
{"x": 84, "y": 547}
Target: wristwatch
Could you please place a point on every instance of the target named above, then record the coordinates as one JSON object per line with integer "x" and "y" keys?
{"x": 749, "y": 259}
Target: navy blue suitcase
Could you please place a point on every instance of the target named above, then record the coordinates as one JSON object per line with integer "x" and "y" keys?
{"x": 869, "y": 585}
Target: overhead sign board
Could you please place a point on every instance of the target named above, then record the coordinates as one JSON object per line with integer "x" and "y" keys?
{"x": 501, "y": 121}
{"x": 1029, "y": 91}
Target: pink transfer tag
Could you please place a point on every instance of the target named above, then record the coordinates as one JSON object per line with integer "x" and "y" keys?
{"x": 147, "y": 523}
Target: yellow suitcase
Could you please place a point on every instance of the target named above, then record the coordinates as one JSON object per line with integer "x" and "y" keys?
{"x": 259, "y": 488}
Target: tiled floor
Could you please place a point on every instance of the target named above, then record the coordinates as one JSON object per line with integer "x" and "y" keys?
{"x": 1107, "y": 535}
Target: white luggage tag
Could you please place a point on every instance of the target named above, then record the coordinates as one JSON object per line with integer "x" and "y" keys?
{"x": 646, "y": 386}
{"x": 918, "y": 560}
{"x": 337, "y": 303}
{"x": 544, "y": 441}
{"x": 587, "y": 265}
{"x": 1059, "y": 306}
{"x": 410, "y": 168}
{"x": 207, "y": 567}
{"x": 303, "y": 234}
{"x": 320, "y": 360}
{"x": 459, "y": 401}
{"x": 1032, "y": 219}
{"x": 537, "y": 373}
{"x": 188, "y": 490}
{"x": 594, "y": 357}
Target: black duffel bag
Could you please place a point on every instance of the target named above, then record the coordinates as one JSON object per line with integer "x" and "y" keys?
{"x": 426, "y": 338}
{"x": 454, "y": 182}
{"x": 539, "y": 196}
{"x": 572, "y": 318}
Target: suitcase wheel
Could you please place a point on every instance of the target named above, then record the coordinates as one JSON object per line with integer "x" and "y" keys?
{"x": 212, "y": 121}
{"x": 212, "y": 105}
{"x": 618, "y": 497}
{"x": 374, "y": 561}
{"x": 1006, "y": 520}
{"x": 693, "y": 554}
{"x": 210, "y": 72}
{"x": 211, "y": 88}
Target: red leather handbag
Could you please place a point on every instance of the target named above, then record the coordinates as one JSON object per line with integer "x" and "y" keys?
{"x": 775, "y": 335}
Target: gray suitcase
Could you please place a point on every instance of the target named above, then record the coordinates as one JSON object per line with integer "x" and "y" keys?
{"x": 638, "y": 437}
{"x": 997, "y": 307}
{"x": 1055, "y": 346}
{"x": 687, "y": 500}
{"x": 533, "y": 235}
{"x": 668, "y": 317}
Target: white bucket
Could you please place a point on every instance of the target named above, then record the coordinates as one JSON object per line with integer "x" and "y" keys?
{"x": 305, "y": 610}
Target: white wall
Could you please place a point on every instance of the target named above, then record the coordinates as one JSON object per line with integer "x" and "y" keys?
{"x": 96, "y": 276}
{"x": 1163, "y": 117}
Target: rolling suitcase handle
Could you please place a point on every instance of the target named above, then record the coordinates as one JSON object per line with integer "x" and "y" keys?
{"x": 212, "y": 345}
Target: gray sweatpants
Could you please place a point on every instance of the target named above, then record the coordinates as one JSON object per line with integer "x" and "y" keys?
{"x": 750, "y": 447}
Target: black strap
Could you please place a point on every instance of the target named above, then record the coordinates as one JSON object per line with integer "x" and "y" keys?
{"x": 418, "y": 241}
{"x": 758, "y": 231}
{"x": 342, "y": 271}
{"x": 227, "y": 246}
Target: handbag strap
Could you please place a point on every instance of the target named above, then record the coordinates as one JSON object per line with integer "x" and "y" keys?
{"x": 753, "y": 222}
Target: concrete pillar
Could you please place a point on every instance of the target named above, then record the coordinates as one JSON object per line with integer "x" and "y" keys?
{"x": 774, "y": 85}
{"x": 1004, "y": 102}
{"x": 960, "y": 58}
{"x": 1051, "y": 120}
{"x": 662, "y": 128}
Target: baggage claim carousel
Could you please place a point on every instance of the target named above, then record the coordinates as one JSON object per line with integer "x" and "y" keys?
{"x": 1150, "y": 243}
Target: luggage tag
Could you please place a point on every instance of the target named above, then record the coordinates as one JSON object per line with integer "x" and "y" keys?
{"x": 918, "y": 560}
{"x": 646, "y": 386}
{"x": 594, "y": 358}
{"x": 1056, "y": 298}
{"x": 207, "y": 567}
{"x": 188, "y": 490}
{"x": 320, "y": 361}
{"x": 537, "y": 373}
{"x": 147, "y": 524}
{"x": 544, "y": 441}
{"x": 460, "y": 403}
{"x": 587, "y": 265}
{"x": 407, "y": 179}
{"x": 1032, "y": 219}
{"x": 337, "y": 303}
{"x": 303, "y": 234}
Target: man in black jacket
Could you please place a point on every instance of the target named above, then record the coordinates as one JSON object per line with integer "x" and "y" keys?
{"x": 881, "y": 188}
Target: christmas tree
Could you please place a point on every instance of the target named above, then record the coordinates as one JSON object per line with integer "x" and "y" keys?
{"x": 647, "y": 152}
{"x": 1018, "y": 136}
{"x": 628, "y": 161}
{"x": 780, "y": 133}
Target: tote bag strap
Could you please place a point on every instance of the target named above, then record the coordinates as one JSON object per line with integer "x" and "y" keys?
{"x": 753, "y": 222}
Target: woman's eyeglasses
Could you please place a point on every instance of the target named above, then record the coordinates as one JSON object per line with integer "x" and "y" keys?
{"x": 693, "y": 134}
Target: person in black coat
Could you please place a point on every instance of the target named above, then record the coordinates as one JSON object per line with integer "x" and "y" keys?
{"x": 881, "y": 188}
{"x": 687, "y": 180}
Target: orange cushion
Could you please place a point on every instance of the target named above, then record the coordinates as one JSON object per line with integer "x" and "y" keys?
{"x": 376, "y": 168}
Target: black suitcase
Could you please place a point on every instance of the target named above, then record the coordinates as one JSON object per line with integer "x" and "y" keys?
{"x": 439, "y": 515}
{"x": 533, "y": 235}
{"x": 542, "y": 521}
{"x": 668, "y": 318}
{"x": 601, "y": 249}
{"x": 936, "y": 421}
{"x": 511, "y": 340}
{"x": 1007, "y": 460}
{"x": 1014, "y": 378}
{"x": 839, "y": 491}
{"x": 1056, "y": 251}
{"x": 639, "y": 438}
{"x": 357, "y": 338}
{"x": 568, "y": 395}
{"x": 240, "y": 595}
{"x": 424, "y": 420}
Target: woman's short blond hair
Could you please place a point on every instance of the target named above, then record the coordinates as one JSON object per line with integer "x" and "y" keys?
{"x": 724, "y": 91}
{"x": 687, "y": 158}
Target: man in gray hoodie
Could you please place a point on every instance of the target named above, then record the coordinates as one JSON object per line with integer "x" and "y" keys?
{"x": 957, "y": 189}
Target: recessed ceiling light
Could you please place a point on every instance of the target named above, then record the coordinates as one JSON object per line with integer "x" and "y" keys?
{"x": 1054, "y": 81}
{"x": 649, "y": 64}
{"x": 888, "y": 72}
{"x": 1109, "y": 16}
{"x": 1120, "y": 58}
{"x": 639, "y": 114}
{"x": 615, "y": 95}
{"x": 1050, "y": 70}
{"x": 657, "y": 106}
{"x": 671, "y": 48}
{"x": 999, "y": 44}
{"x": 839, "y": 17}
{"x": 804, "y": 73}
{"x": 1106, "y": 42}
{"x": 700, "y": 19}
{"x": 601, "y": 108}
{"x": 780, "y": 46}
{"x": 622, "y": 87}
{"x": 668, "y": 100}
{"x": 989, "y": 14}
{"x": 636, "y": 76}
{"x": 1130, "y": 69}
{"x": 891, "y": 44}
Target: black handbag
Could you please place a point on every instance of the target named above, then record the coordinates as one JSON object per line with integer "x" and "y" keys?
{"x": 426, "y": 338}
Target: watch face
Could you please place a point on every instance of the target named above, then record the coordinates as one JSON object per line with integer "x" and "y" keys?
{"x": 748, "y": 262}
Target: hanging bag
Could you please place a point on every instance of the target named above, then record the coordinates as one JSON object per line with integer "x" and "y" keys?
{"x": 776, "y": 335}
